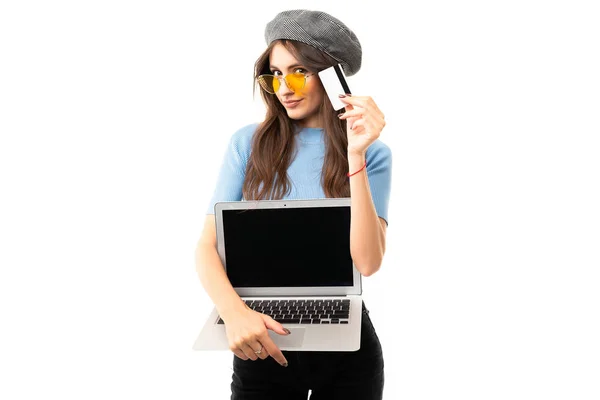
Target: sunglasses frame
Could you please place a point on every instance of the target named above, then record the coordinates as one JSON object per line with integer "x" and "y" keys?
{"x": 260, "y": 79}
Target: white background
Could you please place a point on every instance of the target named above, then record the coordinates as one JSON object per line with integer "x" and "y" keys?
{"x": 114, "y": 116}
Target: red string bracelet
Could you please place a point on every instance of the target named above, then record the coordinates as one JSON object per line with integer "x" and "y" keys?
{"x": 354, "y": 173}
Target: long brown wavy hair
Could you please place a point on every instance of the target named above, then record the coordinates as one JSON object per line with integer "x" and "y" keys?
{"x": 273, "y": 144}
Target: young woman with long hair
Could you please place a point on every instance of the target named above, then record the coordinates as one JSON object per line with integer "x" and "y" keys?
{"x": 303, "y": 149}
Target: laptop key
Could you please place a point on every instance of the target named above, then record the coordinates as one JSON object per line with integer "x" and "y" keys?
{"x": 316, "y": 321}
{"x": 340, "y": 313}
{"x": 343, "y": 322}
{"x": 289, "y": 321}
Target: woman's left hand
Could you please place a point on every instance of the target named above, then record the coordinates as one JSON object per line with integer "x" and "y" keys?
{"x": 365, "y": 122}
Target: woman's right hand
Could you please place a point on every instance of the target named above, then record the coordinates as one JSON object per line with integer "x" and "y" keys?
{"x": 247, "y": 333}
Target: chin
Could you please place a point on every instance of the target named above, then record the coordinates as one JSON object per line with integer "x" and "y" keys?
{"x": 296, "y": 115}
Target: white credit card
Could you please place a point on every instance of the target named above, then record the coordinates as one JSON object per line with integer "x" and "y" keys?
{"x": 334, "y": 82}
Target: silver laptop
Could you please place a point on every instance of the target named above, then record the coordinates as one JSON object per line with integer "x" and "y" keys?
{"x": 290, "y": 259}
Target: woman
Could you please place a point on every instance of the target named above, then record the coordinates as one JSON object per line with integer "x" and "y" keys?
{"x": 303, "y": 149}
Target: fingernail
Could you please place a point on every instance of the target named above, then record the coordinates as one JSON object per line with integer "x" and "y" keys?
{"x": 342, "y": 96}
{"x": 341, "y": 115}
{"x": 286, "y": 331}
{"x": 285, "y": 365}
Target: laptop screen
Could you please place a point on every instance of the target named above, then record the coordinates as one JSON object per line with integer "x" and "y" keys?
{"x": 288, "y": 247}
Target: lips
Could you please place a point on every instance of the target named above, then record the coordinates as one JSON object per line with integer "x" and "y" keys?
{"x": 291, "y": 103}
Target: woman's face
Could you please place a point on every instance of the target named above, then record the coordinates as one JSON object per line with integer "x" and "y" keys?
{"x": 303, "y": 105}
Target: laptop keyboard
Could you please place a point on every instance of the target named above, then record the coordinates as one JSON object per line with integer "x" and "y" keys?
{"x": 313, "y": 311}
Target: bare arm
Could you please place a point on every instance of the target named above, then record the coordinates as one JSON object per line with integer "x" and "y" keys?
{"x": 365, "y": 121}
{"x": 246, "y": 329}
{"x": 367, "y": 230}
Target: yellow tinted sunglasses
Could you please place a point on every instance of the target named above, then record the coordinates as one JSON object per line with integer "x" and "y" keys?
{"x": 294, "y": 81}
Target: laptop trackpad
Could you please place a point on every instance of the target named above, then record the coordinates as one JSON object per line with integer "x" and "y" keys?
{"x": 294, "y": 339}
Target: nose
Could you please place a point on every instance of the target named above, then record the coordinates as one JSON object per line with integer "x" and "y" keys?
{"x": 283, "y": 87}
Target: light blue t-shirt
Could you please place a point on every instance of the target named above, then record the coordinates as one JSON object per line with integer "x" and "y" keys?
{"x": 305, "y": 170}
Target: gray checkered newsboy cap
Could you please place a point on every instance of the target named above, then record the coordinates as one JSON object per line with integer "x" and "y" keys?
{"x": 320, "y": 30}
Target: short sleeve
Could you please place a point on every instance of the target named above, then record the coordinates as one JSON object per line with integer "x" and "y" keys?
{"x": 379, "y": 170}
{"x": 233, "y": 168}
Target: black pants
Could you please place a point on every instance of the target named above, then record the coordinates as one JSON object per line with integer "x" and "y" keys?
{"x": 330, "y": 375}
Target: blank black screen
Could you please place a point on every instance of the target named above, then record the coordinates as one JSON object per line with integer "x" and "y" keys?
{"x": 286, "y": 247}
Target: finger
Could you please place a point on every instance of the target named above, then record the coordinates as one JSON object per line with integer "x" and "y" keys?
{"x": 350, "y": 114}
{"x": 275, "y": 326}
{"x": 264, "y": 353}
{"x": 358, "y": 101}
{"x": 274, "y": 351}
{"x": 259, "y": 347}
{"x": 356, "y": 124}
{"x": 365, "y": 123}
{"x": 361, "y": 112}
{"x": 347, "y": 107}
{"x": 366, "y": 103}
{"x": 247, "y": 350}
{"x": 238, "y": 353}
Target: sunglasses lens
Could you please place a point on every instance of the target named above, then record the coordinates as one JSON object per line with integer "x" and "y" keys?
{"x": 295, "y": 81}
{"x": 269, "y": 83}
